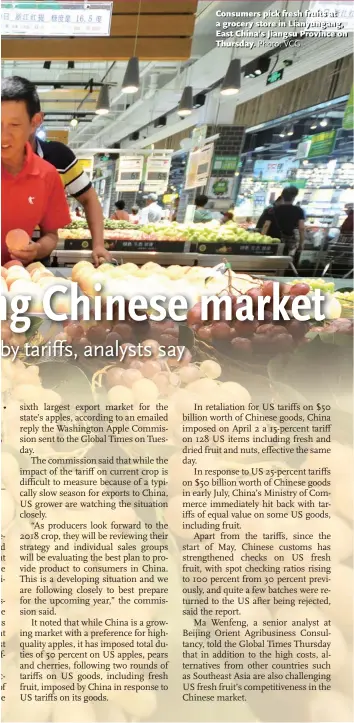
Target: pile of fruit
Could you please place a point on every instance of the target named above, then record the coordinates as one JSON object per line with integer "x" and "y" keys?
{"x": 321, "y": 283}
{"x": 205, "y": 232}
{"x": 151, "y": 278}
{"x": 345, "y": 298}
{"x": 194, "y": 232}
{"x": 17, "y": 279}
{"x": 32, "y": 280}
{"x": 230, "y": 231}
{"x": 264, "y": 337}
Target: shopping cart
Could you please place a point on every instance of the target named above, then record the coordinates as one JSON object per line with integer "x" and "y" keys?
{"x": 337, "y": 257}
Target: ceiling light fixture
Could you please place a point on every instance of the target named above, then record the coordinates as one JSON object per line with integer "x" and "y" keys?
{"x": 199, "y": 100}
{"x": 232, "y": 81}
{"x": 324, "y": 122}
{"x": 47, "y": 64}
{"x": 257, "y": 67}
{"x": 74, "y": 122}
{"x": 282, "y": 133}
{"x": 103, "y": 105}
{"x": 186, "y": 103}
{"x": 262, "y": 66}
{"x": 313, "y": 125}
{"x": 131, "y": 80}
{"x": 160, "y": 122}
{"x": 290, "y": 131}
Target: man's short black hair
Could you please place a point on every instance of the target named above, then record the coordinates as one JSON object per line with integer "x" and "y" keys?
{"x": 290, "y": 193}
{"x": 120, "y": 205}
{"x": 201, "y": 200}
{"x": 17, "y": 89}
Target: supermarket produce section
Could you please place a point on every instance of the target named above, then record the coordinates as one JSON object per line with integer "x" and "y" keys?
{"x": 175, "y": 243}
{"x": 227, "y": 340}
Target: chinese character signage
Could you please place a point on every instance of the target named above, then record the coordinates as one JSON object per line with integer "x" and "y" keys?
{"x": 322, "y": 144}
{"x": 279, "y": 170}
{"x": 56, "y": 19}
{"x": 225, "y": 163}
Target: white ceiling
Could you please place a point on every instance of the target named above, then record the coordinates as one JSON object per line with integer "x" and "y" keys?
{"x": 162, "y": 83}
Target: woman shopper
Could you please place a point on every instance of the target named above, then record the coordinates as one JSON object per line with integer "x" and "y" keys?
{"x": 202, "y": 214}
{"x": 120, "y": 214}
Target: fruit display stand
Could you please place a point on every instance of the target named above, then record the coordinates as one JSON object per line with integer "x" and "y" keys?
{"x": 274, "y": 264}
{"x": 174, "y": 243}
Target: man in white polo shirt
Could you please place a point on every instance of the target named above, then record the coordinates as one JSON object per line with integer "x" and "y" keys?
{"x": 152, "y": 213}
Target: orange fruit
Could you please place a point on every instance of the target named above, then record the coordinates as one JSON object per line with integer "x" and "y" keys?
{"x": 17, "y": 240}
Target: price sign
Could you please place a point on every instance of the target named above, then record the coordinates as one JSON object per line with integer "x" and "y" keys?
{"x": 130, "y": 173}
{"x": 56, "y": 19}
{"x": 157, "y": 174}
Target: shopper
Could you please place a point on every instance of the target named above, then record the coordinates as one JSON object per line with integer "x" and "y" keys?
{"x": 226, "y": 216}
{"x": 263, "y": 217}
{"x": 134, "y": 214}
{"x": 286, "y": 222}
{"x": 152, "y": 212}
{"x": 120, "y": 214}
{"x": 32, "y": 193}
{"x": 347, "y": 225}
{"x": 202, "y": 214}
{"x": 75, "y": 180}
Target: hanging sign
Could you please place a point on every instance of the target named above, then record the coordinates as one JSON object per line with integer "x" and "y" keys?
{"x": 157, "y": 173}
{"x": 278, "y": 170}
{"x": 199, "y": 135}
{"x": 56, "y": 19}
{"x": 225, "y": 163}
{"x": 198, "y": 169}
{"x": 221, "y": 187}
{"x": 130, "y": 173}
{"x": 322, "y": 144}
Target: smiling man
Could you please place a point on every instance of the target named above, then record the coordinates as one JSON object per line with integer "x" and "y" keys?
{"x": 32, "y": 193}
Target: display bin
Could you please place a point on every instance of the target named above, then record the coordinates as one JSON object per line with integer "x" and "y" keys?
{"x": 219, "y": 247}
